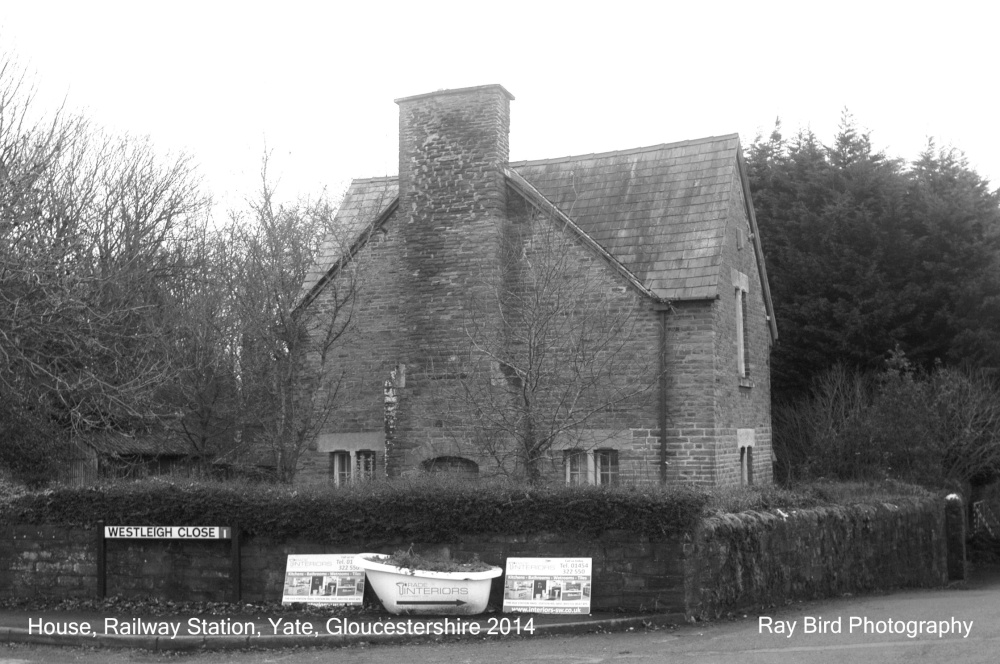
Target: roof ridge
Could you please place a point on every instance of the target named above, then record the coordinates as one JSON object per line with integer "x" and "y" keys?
{"x": 648, "y": 148}
{"x": 556, "y": 160}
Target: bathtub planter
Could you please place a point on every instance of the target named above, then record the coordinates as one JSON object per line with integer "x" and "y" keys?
{"x": 421, "y": 592}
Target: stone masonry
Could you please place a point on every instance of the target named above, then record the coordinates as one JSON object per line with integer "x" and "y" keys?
{"x": 442, "y": 224}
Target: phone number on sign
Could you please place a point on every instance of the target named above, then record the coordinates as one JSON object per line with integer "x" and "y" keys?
{"x": 446, "y": 627}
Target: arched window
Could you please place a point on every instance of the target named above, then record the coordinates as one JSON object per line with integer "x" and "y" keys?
{"x": 451, "y": 465}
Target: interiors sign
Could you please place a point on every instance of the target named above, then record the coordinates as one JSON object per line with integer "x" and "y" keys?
{"x": 547, "y": 585}
{"x": 323, "y": 579}
{"x": 167, "y": 532}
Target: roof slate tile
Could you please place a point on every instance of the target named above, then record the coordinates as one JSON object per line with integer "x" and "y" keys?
{"x": 365, "y": 200}
{"x": 661, "y": 210}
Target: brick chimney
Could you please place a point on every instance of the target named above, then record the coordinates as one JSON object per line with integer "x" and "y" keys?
{"x": 452, "y": 145}
{"x": 452, "y": 205}
{"x": 452, "y": 200}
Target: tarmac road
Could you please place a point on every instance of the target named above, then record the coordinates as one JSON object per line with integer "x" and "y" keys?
{"x": 909, "y": 622}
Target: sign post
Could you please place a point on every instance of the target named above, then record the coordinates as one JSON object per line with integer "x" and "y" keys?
{"x": 102, "y": 549}
{"x": 104, "y": 533}
{"x": 236, "y": 564}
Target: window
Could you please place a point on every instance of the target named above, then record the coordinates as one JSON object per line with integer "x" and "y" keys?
{"x": 746, "y": 466}
{"x": 745, "y": 442}
{"x": 742, "y": 287}
{"x": 606, "y": 466}
{"x": 457, "y": 467}
{"x": 741, "y": 333}
{"x": 340, "y": 468}
{"x": 347, "y": 467}
{"x": 597, "y": 467}
{"x": 364, "y": 465}
{"x": 744, "y": 338}
{"x": 576, "y": 466}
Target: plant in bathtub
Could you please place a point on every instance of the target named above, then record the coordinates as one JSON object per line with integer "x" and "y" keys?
{"x": 409, "y": 583}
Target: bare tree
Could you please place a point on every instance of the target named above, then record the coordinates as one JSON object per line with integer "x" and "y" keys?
{"x": 202, "y": 402}
{"x": 935, "y": 429}
{"x": 91, "y": 232}
{"x": 290, "y": 383}
{"x": 967, "y": 427}
{"x": 553, "y": 350}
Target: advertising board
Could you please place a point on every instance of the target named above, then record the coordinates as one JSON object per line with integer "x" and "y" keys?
{"x": 547, "y": 585}
{"x": 323, "y": 579}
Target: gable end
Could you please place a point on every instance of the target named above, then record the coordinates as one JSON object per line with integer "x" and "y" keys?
{"x": 336, "y": 258}
{"x": 537, "y": 200}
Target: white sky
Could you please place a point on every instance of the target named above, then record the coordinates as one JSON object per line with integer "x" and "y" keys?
{"x": 316, "y": 80}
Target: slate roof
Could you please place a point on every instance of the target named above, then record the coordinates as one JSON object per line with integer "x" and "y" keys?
{"x": 658, "y": 213}
{"x": 661, "y": 211}
{"x": 159, "y": 443}
{"x": 365, "y": 203}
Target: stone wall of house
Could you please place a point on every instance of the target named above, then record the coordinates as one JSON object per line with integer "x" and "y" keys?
{"x": 689, "y": 395}
{"x": 741, "y": 403}
{"x": 733, "y": 562}
{"x": 429, "y": 287}
{"x": 700, "y": 368}
{"x": 372, "y": 348}
{"x": 452, "y": 147}
{"x": 585, "y": 297}
{"x": 420, "y": 274}
{"x": 429, "y": 282}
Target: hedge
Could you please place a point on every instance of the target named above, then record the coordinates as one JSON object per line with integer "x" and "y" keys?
{"x": 422, "y": 510}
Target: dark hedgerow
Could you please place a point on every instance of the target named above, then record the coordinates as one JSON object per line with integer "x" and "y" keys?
{"x": 420, "y": 510}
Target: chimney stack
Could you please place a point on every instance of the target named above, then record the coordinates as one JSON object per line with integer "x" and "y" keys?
{"x": 452, "y": 147}
{"x": 452, "y": 208}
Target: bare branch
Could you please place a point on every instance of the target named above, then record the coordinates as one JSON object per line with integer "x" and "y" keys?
{"x": 552, "y": 343}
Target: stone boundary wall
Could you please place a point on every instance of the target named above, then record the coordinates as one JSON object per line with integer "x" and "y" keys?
{"x": 629, "y": 571}
{"x": 755, "y": 560}
{"x": 731, "y": 562}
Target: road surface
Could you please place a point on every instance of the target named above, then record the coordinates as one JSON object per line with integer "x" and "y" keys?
{"x": 955, "y": 625}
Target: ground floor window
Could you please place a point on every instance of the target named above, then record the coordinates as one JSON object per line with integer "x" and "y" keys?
{"x": 454, "y": 466}
{"x": 340, "y": 468}
{"x": 365, "y": 466}
{"x": 575, "y": 462}
{"x": 745, "y": 442}
{"x": 355, "y": 466}
{"x": 746, "y": 466}
{"x": 606, "y": 466}
{"x": 596, "y": 467}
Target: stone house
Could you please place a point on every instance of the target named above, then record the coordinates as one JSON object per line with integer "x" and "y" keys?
{"x": 663, "y": 235}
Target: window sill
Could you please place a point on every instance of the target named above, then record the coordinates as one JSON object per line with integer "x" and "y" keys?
{"x": 745, "y": 381}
